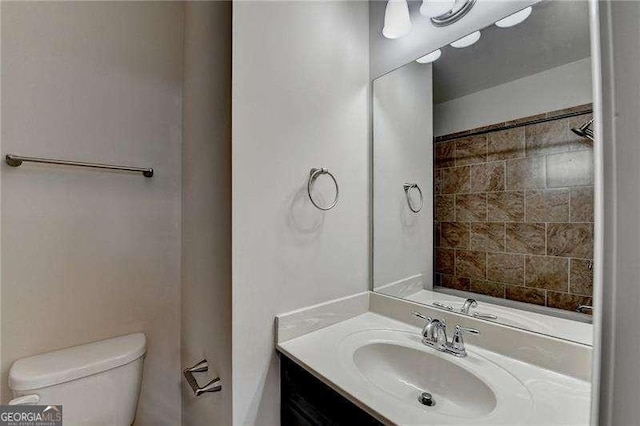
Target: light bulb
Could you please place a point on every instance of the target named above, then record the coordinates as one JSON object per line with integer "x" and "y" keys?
{"x": 433, "y": 8}
{"x": 397, "y": 22}
{"x": 466, "y": 41}
{"x": 430, "y": 57}
{"x": 514, "y": 19}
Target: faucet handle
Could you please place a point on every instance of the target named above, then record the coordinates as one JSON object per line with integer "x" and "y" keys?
{"x": 582, "y": 308}
{"x": 484, "y": 316}
{"x": 427, "y": 319}
{"x": 460, "y": 329}
{"x": 419, "y": 315}
{"x": 457, "y": 342}
{"x": 443, "y": 306}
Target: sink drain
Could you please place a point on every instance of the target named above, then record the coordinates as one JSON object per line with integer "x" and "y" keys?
{"x": 426, "y": 398}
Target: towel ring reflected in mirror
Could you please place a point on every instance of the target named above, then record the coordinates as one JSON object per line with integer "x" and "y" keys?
{"x": 313, "y": 175}
{"x": 407, "y": 188}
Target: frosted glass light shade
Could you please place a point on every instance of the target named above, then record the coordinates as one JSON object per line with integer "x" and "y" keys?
{"x": 466, "y": 41}
{"x": 430, "y": 57}
{"x": 397, "y": 22}
{"x": 514, "y": 19}
{"x": 433, "y": 8}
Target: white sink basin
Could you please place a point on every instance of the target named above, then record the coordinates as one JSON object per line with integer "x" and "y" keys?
{"x": 398, "y": 367}
{"x": 404, "y": 373}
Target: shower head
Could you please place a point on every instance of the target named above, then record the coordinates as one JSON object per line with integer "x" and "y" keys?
{"x": 585, "y": 130}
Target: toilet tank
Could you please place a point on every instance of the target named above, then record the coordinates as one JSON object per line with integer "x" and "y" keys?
{"x": 96, "y": 384}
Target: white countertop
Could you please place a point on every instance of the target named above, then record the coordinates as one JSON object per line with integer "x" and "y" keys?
{"x": 556, "y": 399}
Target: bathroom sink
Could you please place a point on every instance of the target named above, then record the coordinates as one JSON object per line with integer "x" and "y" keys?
{"x": 396, "y": 366}
{"x": 404, "y": 373}
{"x": 382, "y": 366}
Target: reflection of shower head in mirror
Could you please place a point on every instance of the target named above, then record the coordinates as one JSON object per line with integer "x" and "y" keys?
{"x": 478, "y": 128}
{"x": 585, "y": 130}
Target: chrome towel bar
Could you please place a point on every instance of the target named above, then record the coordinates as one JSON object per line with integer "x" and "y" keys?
{"x": 17, "y": 160}
{"x": 214, "y": 385}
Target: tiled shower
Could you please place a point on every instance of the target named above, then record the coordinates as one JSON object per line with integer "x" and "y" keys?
{"x": 514, "y": 210}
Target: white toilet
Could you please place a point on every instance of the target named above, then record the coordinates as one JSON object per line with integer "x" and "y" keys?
{"x": 96, "y": 384}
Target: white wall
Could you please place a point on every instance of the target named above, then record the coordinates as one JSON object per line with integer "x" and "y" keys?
{"x": 619, "y": 371}
{"x": 387, "y": 54}
{"x": 300, "y": 100}
{"x": 3, "y": 389}
{"x": 89, "y": 254}
{"x": 403, "y": 152}
{"x": 206, "y": 208}
{"x": 557, "y": 88}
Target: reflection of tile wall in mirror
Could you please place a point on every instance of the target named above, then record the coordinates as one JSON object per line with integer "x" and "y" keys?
{"x": 514, "y": 210}
{"x": 512, "y": 186}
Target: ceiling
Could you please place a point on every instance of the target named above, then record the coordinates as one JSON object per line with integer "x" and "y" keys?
{"x": 556, "y": 33}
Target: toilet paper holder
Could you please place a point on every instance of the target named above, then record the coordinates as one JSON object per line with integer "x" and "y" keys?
{"x": 214, "y": 385}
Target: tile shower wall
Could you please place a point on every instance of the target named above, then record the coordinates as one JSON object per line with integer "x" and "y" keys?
{"x": 514, "y": 211}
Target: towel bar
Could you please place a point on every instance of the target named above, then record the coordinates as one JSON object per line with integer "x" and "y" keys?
{"x": 17, "y": 160}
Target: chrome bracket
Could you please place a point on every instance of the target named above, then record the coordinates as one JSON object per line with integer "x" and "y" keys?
{"x": 214, "y": 385}
{"x": 459, "y": 10}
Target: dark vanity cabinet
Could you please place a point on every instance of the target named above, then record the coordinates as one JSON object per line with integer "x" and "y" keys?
{"x": 306, "y": 401}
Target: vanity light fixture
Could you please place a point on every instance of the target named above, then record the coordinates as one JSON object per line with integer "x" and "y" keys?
{"x": 397, "y": 22}
{"x": 429, "y": 57}
{"x": 433, "y": 8}
{"x": 514, "y": 19}
{"x": 466, "y": 41}
{"x": 457, "y": 10}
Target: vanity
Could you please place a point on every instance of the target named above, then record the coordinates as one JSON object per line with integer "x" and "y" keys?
{"x": 373, "y": 369}
{"x": 482, "y": 242}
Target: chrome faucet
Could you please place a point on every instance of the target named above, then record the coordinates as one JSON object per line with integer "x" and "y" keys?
{"x": 434, "y": 334}
{"x": 468, "y": 304}
{"x": 472, "y": 303}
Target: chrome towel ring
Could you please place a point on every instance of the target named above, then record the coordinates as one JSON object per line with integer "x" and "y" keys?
{"x": 313, "y": 175}
{"x": 407, "y": 188}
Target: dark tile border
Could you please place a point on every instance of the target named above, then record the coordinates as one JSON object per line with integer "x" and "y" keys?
{"x": 533, "y": 119}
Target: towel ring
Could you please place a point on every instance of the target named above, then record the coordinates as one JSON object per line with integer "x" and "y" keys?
{"x": 313, "y": 175}
{"x": 407, "y": 187}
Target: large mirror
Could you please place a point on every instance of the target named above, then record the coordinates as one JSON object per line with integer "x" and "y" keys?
{"x": 483, "y": 176}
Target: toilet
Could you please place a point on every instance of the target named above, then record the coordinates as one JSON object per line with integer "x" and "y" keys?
{"x": 96, "y": 383}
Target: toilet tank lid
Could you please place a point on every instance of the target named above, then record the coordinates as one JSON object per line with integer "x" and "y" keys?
{"x": 76, "y": 362}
